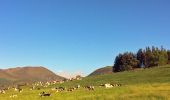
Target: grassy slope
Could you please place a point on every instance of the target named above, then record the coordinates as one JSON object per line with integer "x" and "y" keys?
{"x": 101, "y": 71}
{"x": 147, "y": 84}
{"x": 140, "y": 76}
{"x": 159, "y": 91}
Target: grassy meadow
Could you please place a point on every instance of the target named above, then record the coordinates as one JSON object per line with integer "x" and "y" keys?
{"x": 140, "y": 84}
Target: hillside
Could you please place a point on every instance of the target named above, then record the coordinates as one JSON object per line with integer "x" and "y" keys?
{"x": 140, "y": 84}
{"x": 101, "y": 71}
{"x": 139, "y": 76}
{"x": 27, "y": 74}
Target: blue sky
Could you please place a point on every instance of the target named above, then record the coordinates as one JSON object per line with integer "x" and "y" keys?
{"x": 79, "y": 35}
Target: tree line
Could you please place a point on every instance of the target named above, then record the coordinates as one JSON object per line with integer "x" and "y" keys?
{"x": 144, "y": 58}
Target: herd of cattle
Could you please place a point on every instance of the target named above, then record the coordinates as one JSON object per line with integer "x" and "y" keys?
{"x": 90, "y": 88}
{"x": 40, "y": 85}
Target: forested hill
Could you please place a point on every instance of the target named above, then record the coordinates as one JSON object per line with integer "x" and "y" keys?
{"x": 144, "y": 58}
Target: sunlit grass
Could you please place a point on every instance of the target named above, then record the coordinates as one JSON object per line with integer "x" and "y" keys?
{"x": 145, "y": 84}
{"x": 157, "y": 91}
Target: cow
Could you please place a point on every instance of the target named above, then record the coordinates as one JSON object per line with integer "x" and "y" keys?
{"x": 32, "y": 88}
{"x": 90, "y": 88}
{"x": 61, "y": 88}
{"x": 2, "y": 91}
{"x": 71, "y": 89}
{"x": 101, "y": 85}
{"x": 58, "y": 89}
{"x": 13, "y": 96}
{"x": 114, "y": 84}
{"x": 43, "y": 94}
{"x": 18, "y": 89}
{"x": 55, "y": 89}
{"x": 108, "y": 85}
{"x": 78, "y": 86}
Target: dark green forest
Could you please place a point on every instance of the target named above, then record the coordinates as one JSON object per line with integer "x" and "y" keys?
{"x": 144, "y": 58}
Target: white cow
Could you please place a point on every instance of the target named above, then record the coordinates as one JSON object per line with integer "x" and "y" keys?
{"x": 2, "y": 91}
{"x": 13, "y": 96}
{"x": 108, "y": 85}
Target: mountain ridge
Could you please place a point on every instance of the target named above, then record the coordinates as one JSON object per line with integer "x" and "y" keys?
{"x": 101, "y": 71}
{"x": 28, "y": 74}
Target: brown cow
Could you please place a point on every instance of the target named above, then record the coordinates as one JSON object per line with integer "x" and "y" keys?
{"x": 43, "y": 94}
{"x": 89, "y": 87}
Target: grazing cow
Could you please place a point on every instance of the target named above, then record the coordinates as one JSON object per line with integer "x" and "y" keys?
{"x": 58, "y": 89}
{"x": 108, "y": 85}
{"x": 18, "y": 89}
{"x": 61, "y": 88}
{"x": 32, "y": 88}
{"x": 70, "y": 89}
{"x": 78, "y": 86}
{"x": 43, "y": 94}
{"x": 101, "y": 85}
{"x": 116, "y": 84}
{"x": 89, "y": 87}
{"x": 13, "y": 96}
{"x": 119, "y": 84}
{"x": 2, "y": 91}
{"x": 38, "y": 88}
{"x": 48, "y": 83}
{"x": 73, "y": 88}
{"x": 55, "y": 89}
